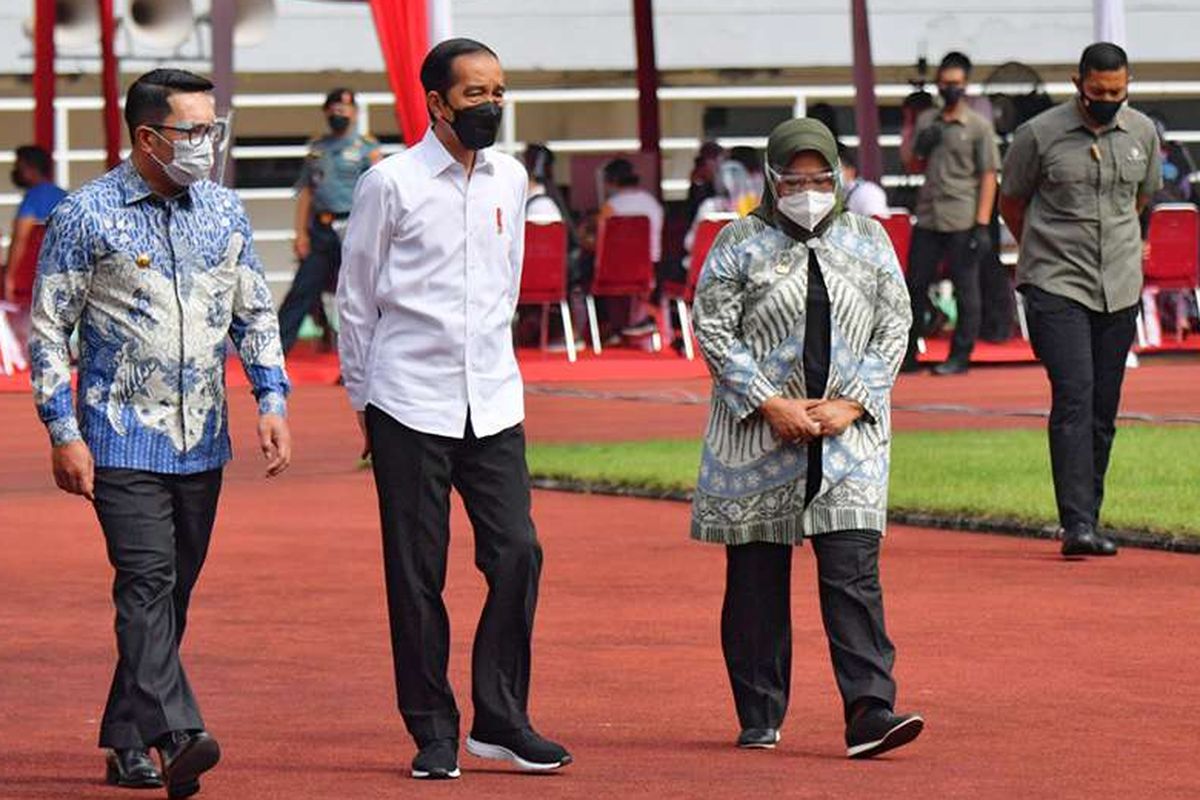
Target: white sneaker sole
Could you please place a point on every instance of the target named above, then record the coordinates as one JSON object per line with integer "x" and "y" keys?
{"x": 495, "y": 751}
{"x": 763, "y": 746}
{"x": 898, "y": 736}
{"x": 423, "y": 775}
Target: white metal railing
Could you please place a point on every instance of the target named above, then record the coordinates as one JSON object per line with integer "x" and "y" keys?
{"x": 797, "y": 96}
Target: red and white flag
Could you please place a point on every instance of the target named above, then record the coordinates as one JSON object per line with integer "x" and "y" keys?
{"x": 406, "y": 30}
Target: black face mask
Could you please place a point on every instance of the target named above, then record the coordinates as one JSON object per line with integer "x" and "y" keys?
{"x": 477, "y": 126}
{"x": 951, "y": 94}
{"x": 17, "y": 180}
{"x": 1102, "y": 111}
{"x": 339, "y": 123}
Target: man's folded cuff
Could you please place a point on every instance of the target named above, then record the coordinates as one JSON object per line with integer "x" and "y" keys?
{"x": 272, "y": 403}
{"x": 63, "y": 430}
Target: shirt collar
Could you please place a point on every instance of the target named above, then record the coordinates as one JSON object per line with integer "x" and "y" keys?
{"x": 1078, "y": 120}
{"x": 134, "y": 188}
{"x": 438, "y": 158}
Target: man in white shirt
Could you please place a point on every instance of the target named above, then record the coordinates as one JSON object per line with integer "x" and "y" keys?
{"x": 625, "y": 198}
{"x": 430, "y": 276}
{"x": 863, "y": 197}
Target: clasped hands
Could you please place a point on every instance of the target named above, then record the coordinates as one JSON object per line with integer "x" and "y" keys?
{"x": 801, "y": 420}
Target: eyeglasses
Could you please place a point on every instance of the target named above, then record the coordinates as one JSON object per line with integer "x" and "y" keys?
{"x": 197, "y": 132}
{"x": 789, "y": 182}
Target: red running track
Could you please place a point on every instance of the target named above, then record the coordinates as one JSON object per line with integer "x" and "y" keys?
{"x": 1039, "y": 678}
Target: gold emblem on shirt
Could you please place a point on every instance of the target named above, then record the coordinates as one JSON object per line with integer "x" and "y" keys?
{"x": 143, "y": 260}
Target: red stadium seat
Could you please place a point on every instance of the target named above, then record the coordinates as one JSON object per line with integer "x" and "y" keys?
{"x": 26, "y": 271}
{"x": 682, "y": 294}
{"x": 1173, "y": 263}
{"x": 623, "y": 265}
{"x": 544, "y": 277}
{"x": 899, "y": 228}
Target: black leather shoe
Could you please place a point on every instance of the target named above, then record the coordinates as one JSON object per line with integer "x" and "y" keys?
{"x": 132, "y": 769}
{"x": 437, "y": 760}
{"x": 952, "y": 366}
{"x": 758, "y": 738}
{"x": 186, "y": 755}
{"x": 878, "y": 730}
{"x": 1082, "y": 540}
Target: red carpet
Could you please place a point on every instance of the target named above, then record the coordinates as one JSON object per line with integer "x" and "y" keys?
{"x": 1039, "y": 678}
{"x": 307, "y": 367}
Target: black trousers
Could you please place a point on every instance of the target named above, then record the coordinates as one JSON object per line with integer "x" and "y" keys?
{"x": 157, "y": 528}
{"x": 928, "y": 250}
{"x": 997, "y": 304}
{"x": 414, "y": 472}
{"x": 316, "y": 273}
{"x": 756, "y": 623}
{"x": 1084, "y": 354}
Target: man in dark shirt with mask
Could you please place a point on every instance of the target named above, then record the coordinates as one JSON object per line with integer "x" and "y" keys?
{"x": 955, "y": 148}
{"x": 325, "y": 190}
{"x": 1075, "y": 179}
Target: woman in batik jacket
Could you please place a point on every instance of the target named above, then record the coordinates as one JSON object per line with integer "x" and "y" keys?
{"x": 802, "y": 316}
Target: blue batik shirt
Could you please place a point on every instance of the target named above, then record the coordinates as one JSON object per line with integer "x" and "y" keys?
{"x": 155, "y": 285}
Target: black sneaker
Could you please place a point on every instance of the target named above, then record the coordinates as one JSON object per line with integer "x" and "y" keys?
{"x": 524, "y": 747}
{"x": 758, "y": 738}
{"x": 437, "y": 760}
{"x": 878, "y": 730}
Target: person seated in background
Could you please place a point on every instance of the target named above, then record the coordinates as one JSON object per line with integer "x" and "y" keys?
{"x": 545, "y": 203}
{"x": 626, "y": 198}
{"x": 32, "y": 172}
{"x": 738, "y": 182}
{"x": 702, "y": 183}
{"x": 863, "y": 197}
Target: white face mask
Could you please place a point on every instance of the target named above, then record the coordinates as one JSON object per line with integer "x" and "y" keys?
{"x": 191, "y": 162}
{"x": 807, "y": 208}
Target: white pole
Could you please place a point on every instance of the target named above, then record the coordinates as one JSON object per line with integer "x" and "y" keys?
{"x": 440, "y": 27}
{"x": 1108, "y": 21}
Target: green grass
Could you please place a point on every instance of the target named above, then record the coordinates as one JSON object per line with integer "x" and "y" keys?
{"x": 1153, "y": 482}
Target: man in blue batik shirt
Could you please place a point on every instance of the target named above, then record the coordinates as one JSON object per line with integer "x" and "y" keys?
{"x": 156, "y": 266}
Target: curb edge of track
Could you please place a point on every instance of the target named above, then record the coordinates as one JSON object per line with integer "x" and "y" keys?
{"x": 1148, "y": 540}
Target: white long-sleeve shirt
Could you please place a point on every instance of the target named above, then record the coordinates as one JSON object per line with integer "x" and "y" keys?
{"x": 431, "y": 268}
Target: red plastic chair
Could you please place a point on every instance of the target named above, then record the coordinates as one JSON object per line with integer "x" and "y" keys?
{"x": 682, "y": 294}
{"x": 623, "y": 266}
{"x": 899, "y": 229}
{"x": 544, "y": 277}
{"x": 1174, "y": 261}
{"x": 25, "y": 272}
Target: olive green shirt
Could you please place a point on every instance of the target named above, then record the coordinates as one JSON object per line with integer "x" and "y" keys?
{"x": 1081, "y": 238}
{"x": 949, "y": 199}
{"x": 332, "y": 169}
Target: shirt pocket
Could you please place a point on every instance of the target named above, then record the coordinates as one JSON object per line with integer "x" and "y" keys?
{"x": 1130, "y": 174}
{"x": 1069, "y": 189}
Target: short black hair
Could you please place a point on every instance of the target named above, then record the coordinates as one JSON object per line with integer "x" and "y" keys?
{"x": 539, "y": 160}
{"x": 848, "y": 156}
{"x": 955, "y": 59}
{"x": 620, "y": 172}
{"x": 748, "y": 157}
{"x": 148, "y": 100}
{"x": 338, "y": 95}
{"x": 437, "y": 70}
{"x": 1102, "y": 57}
{"x": 36, "y": 157}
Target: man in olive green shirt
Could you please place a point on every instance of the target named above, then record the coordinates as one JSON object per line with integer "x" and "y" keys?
{"x": 1074, "y": 181}
{"x": 955, "y": 148}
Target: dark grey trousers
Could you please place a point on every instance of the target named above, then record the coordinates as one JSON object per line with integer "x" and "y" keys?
{"x": 157, "y": 528}
{"x": 756, "y": 623}
{"x": 413, "y": 475}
